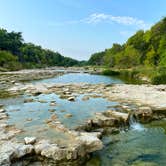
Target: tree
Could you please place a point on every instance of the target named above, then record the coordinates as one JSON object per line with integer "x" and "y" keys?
{"x": 9, "y": 61}
{"x": 97, "y": 59}
{"x": 150, "y": 58}
{"x": 130, "y": 57}
{"x": 10, "y": 41}
{"x": 109, "y": 57}
{"x": 162, "y": 51}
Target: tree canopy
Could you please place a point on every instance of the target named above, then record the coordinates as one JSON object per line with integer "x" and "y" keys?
{"x": 15, "y": 53}
{"x": 142, "y": 49}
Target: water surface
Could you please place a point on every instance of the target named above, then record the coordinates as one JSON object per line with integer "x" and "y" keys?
{"x": 140, "y": 146}
{"x": 31, "y": 116}
{"x": 82, "y": 78}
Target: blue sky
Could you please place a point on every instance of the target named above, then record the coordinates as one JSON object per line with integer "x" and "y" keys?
{"x": 78, "y": 28}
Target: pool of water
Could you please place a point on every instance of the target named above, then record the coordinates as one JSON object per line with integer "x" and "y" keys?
{"x": 140, "y": 146}
{"x": 32, "y": 116}
{"x": 82, "y": 78}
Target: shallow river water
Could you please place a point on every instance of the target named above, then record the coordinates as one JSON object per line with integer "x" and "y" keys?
{"x": 141, "y": 145}
{"x": 83, "y": 78}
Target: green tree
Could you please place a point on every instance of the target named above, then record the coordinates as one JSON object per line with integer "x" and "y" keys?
{"x": 9, "y": 61}
{"x": 130, "y": 57}
{"x": 162, "y": 51}
{"x": 97, "y": 59}
{"x": 109, "y": 58}
{"x": 150, "y": 58}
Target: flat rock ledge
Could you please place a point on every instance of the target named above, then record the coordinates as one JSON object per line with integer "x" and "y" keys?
{"x": 12, "y": 151}
{"x": 85, "y": 143}
{"x": 104, "y": 121}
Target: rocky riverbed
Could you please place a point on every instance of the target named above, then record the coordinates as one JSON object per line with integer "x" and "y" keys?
{"x": 7, "y": 79}
{"x": 145, "y": 102}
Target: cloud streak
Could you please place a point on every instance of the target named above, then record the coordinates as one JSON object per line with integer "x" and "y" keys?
{"x": 99, "y": 18}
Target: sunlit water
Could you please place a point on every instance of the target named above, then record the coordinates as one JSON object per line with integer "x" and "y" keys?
{"x": 32, "y": 116}
{"x": 82, "y": 78}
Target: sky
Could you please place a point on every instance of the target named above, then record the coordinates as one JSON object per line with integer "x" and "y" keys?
{"x": 79, "y": 28}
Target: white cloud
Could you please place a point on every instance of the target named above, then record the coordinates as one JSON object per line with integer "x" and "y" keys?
{"x": 125, "y": 20}
{"x": 97, "y": 18}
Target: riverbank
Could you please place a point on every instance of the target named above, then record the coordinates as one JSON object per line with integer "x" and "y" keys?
{"x": 139, "y": 75}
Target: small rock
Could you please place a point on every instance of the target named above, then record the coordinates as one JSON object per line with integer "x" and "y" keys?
{"x": 29, "y": 100}
{"x": 48, "y": 121}
{"x": 13, "y": 81}
{"x": 30, "y": 140}
{"x": 68, "y": 115}
{"x": 85, "y": 98}
{"x": 42, "y": 101}
{"x": 2, "y": 111}
{"x": 71, "y": 98}
{"x": 29, "y": 119}
{"x": 51, "y": 110}
{"x": 63, "y": 110}
{"x": 54, "y": 117}
{"x": 52, "y": 104}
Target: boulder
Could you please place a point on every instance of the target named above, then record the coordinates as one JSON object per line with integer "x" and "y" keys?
{"x": 53, "y": 152}
{"x": 30, "y": 140}
{"x": 144, "y": 114}
{"x": 101, "y": 120}
{"x": 118, "y": 115}
{"x": 41, "y": 145}
{"x": 91, "y": 141}
{"x": 12, "y": 151}
{"x": 5, "y": 159}
{"x": 23, "y": 150}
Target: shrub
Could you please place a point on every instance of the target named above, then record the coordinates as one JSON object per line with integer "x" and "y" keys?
{"x": 159, "y": 79}
{"x": 110, "y": 72}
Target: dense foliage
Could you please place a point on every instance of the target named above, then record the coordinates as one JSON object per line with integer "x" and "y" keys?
{"x": 15, "y": 54}
{"x": 142, "y": 49}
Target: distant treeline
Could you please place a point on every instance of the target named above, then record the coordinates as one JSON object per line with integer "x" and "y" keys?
{"x": 145, "y": 48}
{"x": 16, "y": 54}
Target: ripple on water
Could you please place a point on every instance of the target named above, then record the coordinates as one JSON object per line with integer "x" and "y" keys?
{"x": 135, "y": 147}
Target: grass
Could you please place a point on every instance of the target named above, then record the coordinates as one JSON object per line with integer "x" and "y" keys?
{"x": 110, "y": 72}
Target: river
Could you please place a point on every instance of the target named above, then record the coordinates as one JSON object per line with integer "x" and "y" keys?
{"x": 139, "y": 146}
